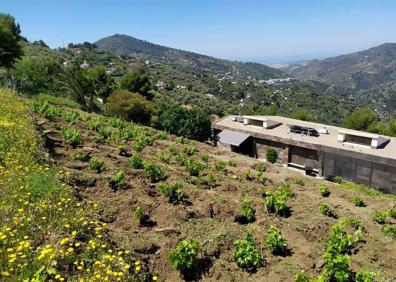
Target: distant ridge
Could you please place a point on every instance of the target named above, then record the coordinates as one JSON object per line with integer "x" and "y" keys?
{"x": 128, "y": 45}
{"x": 359, "y": 71}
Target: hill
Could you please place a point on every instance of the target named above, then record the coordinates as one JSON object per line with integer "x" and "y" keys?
{"x": 110, "y": 169}
{"x": 368, "y": 74}
{"x": 127, "y": 45}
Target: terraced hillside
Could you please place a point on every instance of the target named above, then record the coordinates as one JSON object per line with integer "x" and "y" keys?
{"x": 180, "y": 209}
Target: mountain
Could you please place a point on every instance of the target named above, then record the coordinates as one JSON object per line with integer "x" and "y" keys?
{"x": 369, "y": 74}
{"x": 127, "y": 45}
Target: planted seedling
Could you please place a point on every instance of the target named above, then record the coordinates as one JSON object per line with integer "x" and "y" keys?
{"x": 275, "y": 241}
{"x": 173, "y": 192}
{"x": 359, "y": 202}
{"x": 96, "y": 165}
{"x": 246, "y": 254}
{"x": 324, "y": 190}
{"x": 136, "y": 161}
{"x": 185, "y": 256}
{"x": 379, "y": 217}
{"x": 248, "y": 211}
{"x": 326, "y": 210}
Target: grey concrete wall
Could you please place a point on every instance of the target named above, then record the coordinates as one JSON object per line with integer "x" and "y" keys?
{"x": 380, "y": 176}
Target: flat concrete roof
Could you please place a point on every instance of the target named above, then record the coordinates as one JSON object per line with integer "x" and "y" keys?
{"x": 282, "y": 133}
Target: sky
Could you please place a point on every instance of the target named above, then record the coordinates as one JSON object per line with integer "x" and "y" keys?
{"x": 266, "y": 31}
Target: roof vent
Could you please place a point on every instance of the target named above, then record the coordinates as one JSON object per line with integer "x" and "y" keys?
{"x": 323, "y": 130}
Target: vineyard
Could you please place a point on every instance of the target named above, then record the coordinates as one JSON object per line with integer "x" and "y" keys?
{"x": 89, "y": 197}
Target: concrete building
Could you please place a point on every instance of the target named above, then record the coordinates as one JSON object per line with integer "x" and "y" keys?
{"x": 321, "y": 150}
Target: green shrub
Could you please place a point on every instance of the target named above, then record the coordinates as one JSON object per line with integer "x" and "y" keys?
{"x": 136, "y": 161}
{"x": 285, "y": 190}
{"x": 71, "y": 136}
{"x": 80, "y": 156}
{"x": 324, "y": 190}
{"x": 246, "y": 255}
{"x": 96, "y": 165}
{"x": 272, "y": 155}
{"x": 141, "y": 216}
{"x": 337, "y": 267}
{"x": 261, "y": 167}
{"x": 122, "y": 150}
{"x": 325, "y": 210}
{"x": 298, "y": 181}
{"x": 194, "y": 168}
{"x": 71, "y": 117}
{"x": 379, "y": 217}
{"x": 180, "y": 160}
{"x": 161, "y": 135}
{"x": 165, "y": 158}
{"x": 209, "y": 181}
{"x": 336, "y": 259}
{"x": 118, "y": 179}
{"x": 338, "y": 179}
{"x": 248, "y": 175}
{"x": 182, "y": 140}
{"x": 205, "y": 157}
{"x": 261, "y": 178}
{"x": 365, "y": 276}
{"x": 247, "y": 210}
{"x": 190, "y": 150}
{"x": 129, "y": 106}
{"x": 275, "y": 242}
{"x": 276, "y": 203}
{"x": 301, "y": 276}
{"x": 185, "y": 256}
{"x": 390, "y": 231}
{"x": 392, "y": 213}
{"x": 173, "y": 192}
{"x": 173, "y": 150}
{"x": 220, "y": 166}
{"x": 49, "y": 112}
{"x": 153, "y": 171}
{"x": 117, "y": 123}
{"x": 359, "y": 202}
{"x": 340, "y": 241}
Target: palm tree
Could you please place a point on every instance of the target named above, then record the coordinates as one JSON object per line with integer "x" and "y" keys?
{"x": 74, "y": 82}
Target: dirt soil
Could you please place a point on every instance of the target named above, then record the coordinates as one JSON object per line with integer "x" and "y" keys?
{"x": 208, "y": 214}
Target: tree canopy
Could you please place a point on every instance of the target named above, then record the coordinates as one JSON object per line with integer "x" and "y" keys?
{"x": 137, "y": 81}
{"x": 130, "y": 106}
{"x": 34, "y": 76}
{"x": 361, "y": 119}
{"x": 10, "y": 47}
{"x": 191, "y": 123}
